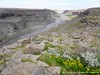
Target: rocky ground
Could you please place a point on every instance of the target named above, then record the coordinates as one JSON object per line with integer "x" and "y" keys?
{"x": 71, "y": 48}
{"x": 24, "y": 59}
{"x": 49, "y": 54}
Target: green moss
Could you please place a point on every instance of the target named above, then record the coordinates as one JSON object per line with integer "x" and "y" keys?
{"x": 27, "y": 60}
{"x": 2, "y": 62}
{"x": 3, "y": 58}
{"x": 7, "y": 55}
{"x": 49, "y": 60}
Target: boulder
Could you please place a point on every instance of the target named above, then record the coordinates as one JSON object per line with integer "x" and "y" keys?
{"x": 11, "y": 46}
{"x": 8, "y": 51}
{"x": 34, "y": 58}
{"x": 43, "y": 64}
{"x": 23, "y": 42}
{"x": 32, "y": 50}
{"x": 41, "y": 71}
{"x": 55, "y": 70}
{"x": 1, "y": 50}
{"x": 18, "y": 69}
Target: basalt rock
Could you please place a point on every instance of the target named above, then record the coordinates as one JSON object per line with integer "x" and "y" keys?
{"x": 13, "y": 22}
{"x": 90, "y": 18}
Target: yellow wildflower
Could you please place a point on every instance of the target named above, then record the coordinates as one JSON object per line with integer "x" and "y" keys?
{"x": 92, "y": 72}
{"x": 88, "y": 69}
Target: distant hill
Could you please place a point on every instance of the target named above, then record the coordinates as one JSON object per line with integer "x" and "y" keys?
{"x": 90, "y": 17}
{"x": 73, "y": 12}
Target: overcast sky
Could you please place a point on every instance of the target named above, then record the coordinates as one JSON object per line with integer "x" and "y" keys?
{"x": 50, "y": 4}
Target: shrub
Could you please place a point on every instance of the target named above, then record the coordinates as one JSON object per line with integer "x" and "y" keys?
{"x": 70, "y": 65}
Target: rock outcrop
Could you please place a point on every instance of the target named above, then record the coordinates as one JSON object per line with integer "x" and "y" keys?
{"x": 24, "y": 60}
{"x": 13, "y": 22}
{"x": 72, "y": 12}
{"x": 90, "y": 18}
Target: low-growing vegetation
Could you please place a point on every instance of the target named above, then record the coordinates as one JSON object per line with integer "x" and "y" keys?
{"x": 3, "y": 58}
{"x": 85, "y": 64}
{"x": 70, "y": 65}
{"x": 27, "y": 60}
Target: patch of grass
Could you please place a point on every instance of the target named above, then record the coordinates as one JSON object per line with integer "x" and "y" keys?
{"x": 18, "y": 48}
{"x": 68, "y": 28}
{"x": 71, "y": 16}
{"x": 49, "y": 60}
{"x": 3, "y": 58}
{"x": 47, "y": 45}
{"x": 2, "y": 62}
{"x": 27, "y": 60}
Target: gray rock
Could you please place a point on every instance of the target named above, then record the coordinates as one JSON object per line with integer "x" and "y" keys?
{"x": 34, "y": 57}
{"x": 11, "y": 46}
{"x": 41, "y": 71}
{"x": 27, "y": 68}
{"x": 43, "y": 64}
{"x": 19, "y": 56}
{"x": 1, "y": 67}
{"x": 76, "y": 35}
{"x": 41, "y": 45}
{"x": 55, "y": 70}
{"x": 1, "y": 50}
{"x": 18, "y": 69}
{"x": 24, "y": 41}
{"x": 32, "y": 50}
{"x": 8, "y": 51}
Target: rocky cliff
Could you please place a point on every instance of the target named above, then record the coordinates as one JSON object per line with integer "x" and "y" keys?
{"x": 91, "y": 17}
{"x": 15, "y": 21}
